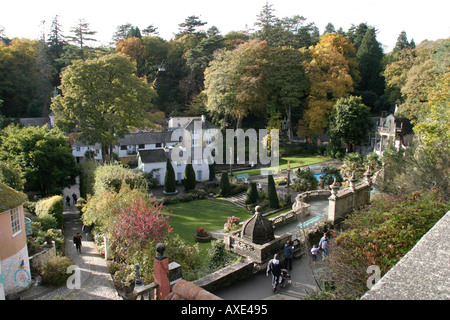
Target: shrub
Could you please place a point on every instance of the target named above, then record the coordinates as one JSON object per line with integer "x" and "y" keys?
{"x": 113, "y": 177}
{"x": 252, "y": 194}
{"x": 201, "y": 232}
{"x": 272, "y": 193}
{"x": 52, "y": 206}
{"x": 169, "y": 180}
{"x": 224, "y": 185}
{"x": 306, "y": 181}
{"x": 46, "y": 222}
{"x": 189, "y": 178}
{"x": 54, "y": 271}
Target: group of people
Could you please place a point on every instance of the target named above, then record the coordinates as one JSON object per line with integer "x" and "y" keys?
{"x": 280, "y": 273}
{"x": 322, "y": 246}
{"x": 74, "y": 198}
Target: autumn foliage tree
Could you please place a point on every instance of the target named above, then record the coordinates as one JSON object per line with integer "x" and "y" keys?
{"x": 332, "y": 73}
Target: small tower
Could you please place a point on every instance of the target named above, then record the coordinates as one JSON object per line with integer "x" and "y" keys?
{"x": 258, "y": 229}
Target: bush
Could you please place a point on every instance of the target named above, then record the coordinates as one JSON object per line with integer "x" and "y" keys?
{"x": 224, "y": 185}
{"x": 52, "y": 206}
{"x": 252, "y": 194}
{"x": 189, "y": 178}
{"x": 54, "y": 271}
{"x": 46, "y": 222}
{"x": 272, "y": 193}
{"x": 170, "y": 183}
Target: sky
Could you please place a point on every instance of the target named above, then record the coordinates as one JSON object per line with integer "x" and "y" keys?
{"x": 421, "y": 20}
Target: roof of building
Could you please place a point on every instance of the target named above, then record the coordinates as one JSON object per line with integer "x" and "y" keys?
{"x": 146, "y": 138}
{"x": 205, "y": 124}
{"x": 10, "y": 198}
{"x": 153, "y": 156}
{"x": 35, "y": 122}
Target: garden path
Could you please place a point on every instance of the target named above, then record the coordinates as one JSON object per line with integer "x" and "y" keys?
{"x": 96, "y": 281}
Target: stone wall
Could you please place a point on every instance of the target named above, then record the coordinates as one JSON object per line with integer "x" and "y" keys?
{"x": 38, "y": 259}
{"x": 343, "y": 202}
{"x": 227, "y": 276}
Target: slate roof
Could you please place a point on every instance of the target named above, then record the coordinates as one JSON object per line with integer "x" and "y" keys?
{"x": 35, "y": 122}
{"x": 205, "y": 125}
{"x": 10, "y": 198}
{"x": 153, "y": 156}
{"x": 146, "y": 138}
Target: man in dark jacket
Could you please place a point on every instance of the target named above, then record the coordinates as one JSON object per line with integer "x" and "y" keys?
{"x": 77, "y": 241}
{"x": 288, "y": 252}
{"x": 274, "y": 268}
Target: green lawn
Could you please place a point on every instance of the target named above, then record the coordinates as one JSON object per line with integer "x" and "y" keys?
{"x": 210, "y": 214}
{"x": 296, "y": 161}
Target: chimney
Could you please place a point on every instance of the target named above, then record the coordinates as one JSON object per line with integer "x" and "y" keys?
{"x": 203, "y": 118}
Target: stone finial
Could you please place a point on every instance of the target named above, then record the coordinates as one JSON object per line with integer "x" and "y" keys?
{"x": 160, "y": 248}
{"x": 368, "y": 175}
{"x": 334, "y": 187}
{"x": 138, "y": 281}
{"x": 352, "y": 181}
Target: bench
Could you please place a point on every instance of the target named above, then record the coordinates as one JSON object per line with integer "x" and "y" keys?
{"x": 244, "y": 177}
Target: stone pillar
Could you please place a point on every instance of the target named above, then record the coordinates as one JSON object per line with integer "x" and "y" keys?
{"x": 161, "y": 271}
{"x": 332, "y": 201}
{"x": 106, "y": 245}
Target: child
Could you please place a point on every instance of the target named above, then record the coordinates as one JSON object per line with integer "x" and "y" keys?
{"x": 314, "y": 254}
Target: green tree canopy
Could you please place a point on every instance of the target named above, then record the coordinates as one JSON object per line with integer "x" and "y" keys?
{"x": 349, "y": 122}
{"x": 43, "y": 156}
{"x": 102, "y": 99}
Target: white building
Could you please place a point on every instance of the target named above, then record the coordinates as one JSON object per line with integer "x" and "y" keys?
{"x": 155, "y": 161}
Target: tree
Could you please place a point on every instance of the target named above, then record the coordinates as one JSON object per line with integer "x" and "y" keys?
{"x": 43, "y": 156}
{"x": 234, "y": 83}
{"x": 189, "y": 177}
{"x": 81, "y": 35}
{"x": 272, "y": 193}
{"x": 252, "y": 194}
{"x": 287, "y": 81}
{"x": 349, "y": 122}
{"x": 369, "y": 56}
{"x": 331, "y": 71}
{"x": 189, "y": 26}
{"x": 102, "y": 99}
{"x": 170, "y": 185}
{"x": 224, "y": 185}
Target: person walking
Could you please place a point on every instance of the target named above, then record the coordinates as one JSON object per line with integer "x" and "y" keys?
{"x": 323, "y": 245}
{"x": 77, "y": 241}
{"x": 75, "y": 198}
{"x": 288, "y": 253}
{"x": 314, "y": 250}
{"x": 68, "y": 201}
{"x": 274, "y": 268}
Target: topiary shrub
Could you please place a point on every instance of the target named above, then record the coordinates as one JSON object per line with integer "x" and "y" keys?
{"x": 272, "y": 193}
{"x": 54, "y": 270}
{"x": 189, "y": 177}
{"x": 224, "y": 185}
{"x": 252, "y": 194}
{"x": 170, "y": 183}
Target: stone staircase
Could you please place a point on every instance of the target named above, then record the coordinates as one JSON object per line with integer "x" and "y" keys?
{"x": 238, "y": 199}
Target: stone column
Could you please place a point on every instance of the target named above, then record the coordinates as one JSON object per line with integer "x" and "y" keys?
{"x": 332, "y": 201}
{"x": 161, "y": 271}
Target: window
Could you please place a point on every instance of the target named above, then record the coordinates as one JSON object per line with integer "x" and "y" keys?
{"x": 15, "y": 221}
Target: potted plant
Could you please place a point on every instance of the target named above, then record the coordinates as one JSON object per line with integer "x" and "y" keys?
{"x": 202, "y": 235}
